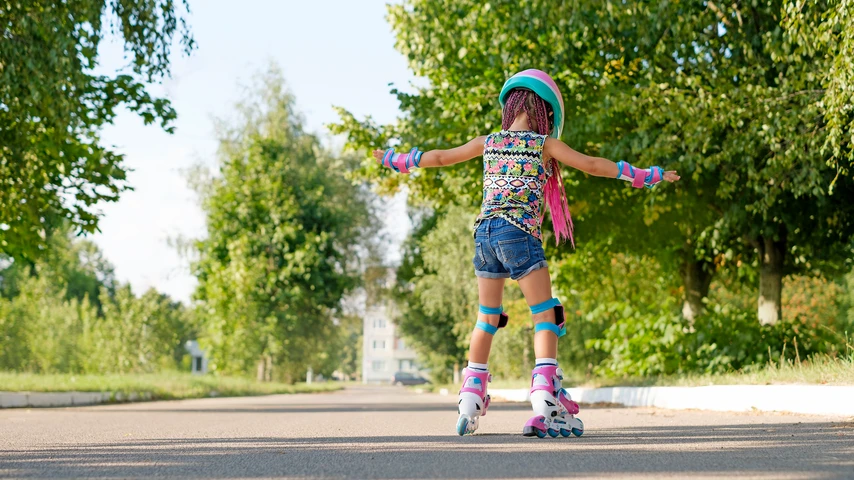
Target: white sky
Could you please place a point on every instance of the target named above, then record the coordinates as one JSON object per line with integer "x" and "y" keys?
{"x": 332, "y": 52}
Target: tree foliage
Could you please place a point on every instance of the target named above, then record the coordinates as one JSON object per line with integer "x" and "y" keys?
{"x": 53, "y": 169}
{"x": 286, "y": 231}
{"x": 66, "y": 314}
{"x": 729, "y": 96}
{"x": 434, "y": 292}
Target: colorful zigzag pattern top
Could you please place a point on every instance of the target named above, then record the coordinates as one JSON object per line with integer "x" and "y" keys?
{"x": 514, "y": 176}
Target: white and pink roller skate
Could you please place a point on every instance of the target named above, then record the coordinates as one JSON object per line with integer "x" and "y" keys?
{"x": 473, "y": 400}
{"x": 554, "y": 410}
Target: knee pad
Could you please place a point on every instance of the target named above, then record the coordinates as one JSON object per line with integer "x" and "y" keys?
{"x": 502, "y": 319}
{"x": 559, "y": 327}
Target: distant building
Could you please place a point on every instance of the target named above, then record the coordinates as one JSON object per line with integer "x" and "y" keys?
{"x": 199, "y": 362}
{"x": 383, "y": 352}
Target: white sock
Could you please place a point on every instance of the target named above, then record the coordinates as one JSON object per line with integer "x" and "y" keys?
{"x": 545, "y": 361}
{"x": 478, "y": 366}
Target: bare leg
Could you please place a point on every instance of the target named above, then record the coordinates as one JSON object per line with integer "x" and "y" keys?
{"x": 474, "y": 400}
{"x": 553, "y": 409}
{"x": 490, "y": 292}
{"x": 537, "y": 288}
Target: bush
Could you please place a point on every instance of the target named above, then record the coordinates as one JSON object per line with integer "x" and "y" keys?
{"x": 640, "y": 343}
{"x": 727, "y": 339}
{"x": 618, "y": 312}
{"x": 722, "y": 340}
{"x": 42, "y": 331}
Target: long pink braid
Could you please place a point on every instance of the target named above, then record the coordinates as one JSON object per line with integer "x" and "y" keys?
{"x": 554, "y": 193}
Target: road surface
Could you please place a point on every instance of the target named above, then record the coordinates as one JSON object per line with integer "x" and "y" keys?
{"x": 375, "y": 432}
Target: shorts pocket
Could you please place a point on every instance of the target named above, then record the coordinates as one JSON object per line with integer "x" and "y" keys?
{"x": 479, "y": 260}
{"x": 514, "y": 252}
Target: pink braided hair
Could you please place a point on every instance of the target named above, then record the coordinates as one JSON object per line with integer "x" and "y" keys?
{"x": 538, "y": 112}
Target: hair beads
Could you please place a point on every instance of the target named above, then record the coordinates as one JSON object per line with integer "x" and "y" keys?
{"x": 532, "y": 104}
{"x": 525, "y": 100}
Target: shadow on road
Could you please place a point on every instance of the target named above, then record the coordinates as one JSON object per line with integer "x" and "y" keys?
{"x": 266, "y": 408}
{"x": 814, "y": 450}
{"x": 309, "y": 408}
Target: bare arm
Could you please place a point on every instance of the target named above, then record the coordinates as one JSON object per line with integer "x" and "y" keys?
{"x": 596, "y": 166}
{"x": 443, "y": 158}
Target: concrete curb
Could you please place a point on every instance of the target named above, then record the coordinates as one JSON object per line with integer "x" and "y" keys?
{"x": 65, "y": 399}
{"x": 807, "y": 399}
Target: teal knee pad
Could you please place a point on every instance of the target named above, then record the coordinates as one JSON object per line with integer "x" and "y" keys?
{"x": 559, "y": 327}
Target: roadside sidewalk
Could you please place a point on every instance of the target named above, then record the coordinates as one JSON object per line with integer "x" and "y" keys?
{"x": 65, "y": 399}
{"x": 807, "y": 399}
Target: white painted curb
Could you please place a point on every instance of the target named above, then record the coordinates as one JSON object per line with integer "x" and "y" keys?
{"x": 49, "y": 399}
{"x": 808, "y": 399}
{"x": 10, "y": 400}
{"x": 64, "y": 399}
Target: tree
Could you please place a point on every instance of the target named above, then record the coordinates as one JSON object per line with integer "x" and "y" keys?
{"x": 435, "y": 293}
{"x": 76, "y": 263}
{"x": 823, "y": 32}
{"x": 53, "y": 107}
{"x": 64, "y": 313}
{"x": 728, "y": 96}
{"x": 286, "y": 234}
{"x": 755, "y": 113}
{"x": 455, "y": 43}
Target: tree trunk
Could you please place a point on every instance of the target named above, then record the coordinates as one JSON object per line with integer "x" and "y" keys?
{"x": 696, "y": 276}
{"x": 260, "y": 374}
{"x": 772, "y": 256}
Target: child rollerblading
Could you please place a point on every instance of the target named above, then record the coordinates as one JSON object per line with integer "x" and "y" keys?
{"x": 521, "y": 171}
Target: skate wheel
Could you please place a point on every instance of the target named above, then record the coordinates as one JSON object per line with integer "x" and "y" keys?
{"x": 577, "y": 431}
{"x": 462, "y": 425}
{"x": 564, "y": 432}
{"x": 552, "y": 433}
{"x": 541, "y": 433}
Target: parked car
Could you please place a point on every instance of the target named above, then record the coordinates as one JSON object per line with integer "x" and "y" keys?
{"x": 407, "y": 378}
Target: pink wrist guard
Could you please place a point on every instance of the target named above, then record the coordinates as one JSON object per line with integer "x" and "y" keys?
{"x": 640, "y": 177}
{"x": 401, "y": 162}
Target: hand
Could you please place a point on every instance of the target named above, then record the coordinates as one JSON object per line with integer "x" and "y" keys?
{"x": 653, "y": 176}
{"x": 387, "y": 158}
{"x": 671, "y": 176}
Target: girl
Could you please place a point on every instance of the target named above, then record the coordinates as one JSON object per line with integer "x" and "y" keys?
{"x": 520, "y": 170}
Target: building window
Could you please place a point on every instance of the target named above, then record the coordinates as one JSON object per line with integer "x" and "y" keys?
{"x": 379, "y": 344}
{"x": 401, "y": 345}
{"x": 378, "y": 365}
{"x": 379, "y": 323}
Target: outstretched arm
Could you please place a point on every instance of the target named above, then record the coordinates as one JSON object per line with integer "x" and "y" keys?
{"x": 596, "y": 166}
{"x": 443, "y": 158}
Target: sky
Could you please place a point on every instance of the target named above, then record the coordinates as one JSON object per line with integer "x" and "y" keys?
{"x": 332, "y": 53}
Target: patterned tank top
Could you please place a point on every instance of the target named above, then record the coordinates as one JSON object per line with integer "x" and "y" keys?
{"x": 514, "y": 176}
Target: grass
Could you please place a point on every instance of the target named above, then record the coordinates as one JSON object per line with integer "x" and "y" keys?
{"x": 818, "y": 370}
{"x": 161, "y": 386}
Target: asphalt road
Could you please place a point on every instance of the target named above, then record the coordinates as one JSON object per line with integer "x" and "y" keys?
{"x": 392, "y": 433}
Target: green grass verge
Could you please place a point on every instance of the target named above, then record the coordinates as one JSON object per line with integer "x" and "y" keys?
{"x": 819, "y": 370}
{"x": 162, "y": 386}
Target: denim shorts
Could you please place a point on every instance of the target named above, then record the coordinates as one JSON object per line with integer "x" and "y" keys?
{"x": 502, "y": 250}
